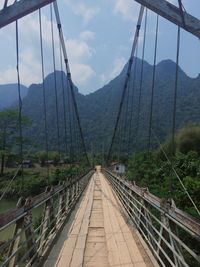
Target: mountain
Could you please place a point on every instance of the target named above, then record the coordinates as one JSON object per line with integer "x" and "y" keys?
{"x": 9, "y": 94}
{"x": 98, "y": 110}
{"x": 100, "y": 117}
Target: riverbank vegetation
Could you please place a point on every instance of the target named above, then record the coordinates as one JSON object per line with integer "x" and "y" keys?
{"x": 163, "y": 172}
{"x": 35, "y": 180}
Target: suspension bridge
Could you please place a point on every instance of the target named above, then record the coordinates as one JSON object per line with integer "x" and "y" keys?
{"x": 97, "y": 217}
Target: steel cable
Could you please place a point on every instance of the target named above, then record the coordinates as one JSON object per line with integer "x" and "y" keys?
{"x": 141, "y": 74}
{"x": 55, "y": 81}
{"x": 127, "y": 78}
{"x": 64, "y": 98}
{"x": 153, "y": 85}
{"x": 44, "y": 94}
{"x": 19, "y": 106}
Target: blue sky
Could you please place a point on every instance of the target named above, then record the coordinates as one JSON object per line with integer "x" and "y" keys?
{"x": 99, "y": 38}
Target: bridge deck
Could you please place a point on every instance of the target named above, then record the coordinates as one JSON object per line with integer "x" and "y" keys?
{"x": 99, "y": 235}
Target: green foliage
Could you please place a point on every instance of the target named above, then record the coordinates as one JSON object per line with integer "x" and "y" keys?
{"x": 35, "y": 180}
{"x": 42, "y": 157}
{"x": 8, "y": 129}
{"x": 188, "y": 138}
{"x": 149, "y": 170}
{"x": 54, "y": 155}
{"x": 167, "y": 147}
{"x": 9, "y": 133}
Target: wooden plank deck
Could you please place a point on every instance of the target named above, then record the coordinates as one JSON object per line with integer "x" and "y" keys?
{"x": 99, "y": 235}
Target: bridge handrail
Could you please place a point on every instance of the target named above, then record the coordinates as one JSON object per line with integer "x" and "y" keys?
{"x": 14, "y": 214}
{"x": 160, "y": 223}
{"x": 187, "y": 221}
{"x": 57, "y": 203}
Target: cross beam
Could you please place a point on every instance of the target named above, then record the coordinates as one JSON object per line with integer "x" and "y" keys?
{"x": 173, "y": 14}
{"x": 20, "y": 9}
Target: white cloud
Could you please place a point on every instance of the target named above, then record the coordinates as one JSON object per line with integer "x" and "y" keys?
{"x": 116, "y": 68}
{"x": 79, "y": 52}
{"x": 29, "y": 50}
{"x": 87, "y": 35}
{"x": 81, "y": 73}
{"x": 85, "y": 11}
{"x": 29, "y": 74}
{"x": 128, "y": 9}
{"x": 118, "y": 64}
{"x": 8, "y": 76}
{"x": 78, "y": 49}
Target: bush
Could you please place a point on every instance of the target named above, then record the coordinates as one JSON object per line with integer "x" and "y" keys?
{"x": 188, "y": 139}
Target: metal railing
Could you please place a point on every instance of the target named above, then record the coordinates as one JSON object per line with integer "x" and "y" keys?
{"x": 172, "y": 235}
{"x": 31, "y": 241}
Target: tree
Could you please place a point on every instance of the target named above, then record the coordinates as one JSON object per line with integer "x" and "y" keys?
{"x": 43, "y": 157}
{"x": 8, "y": 127}
{"x": 54, "y": 155}
{"x": 9, "y": 132}
{"x": 188, "y": 139}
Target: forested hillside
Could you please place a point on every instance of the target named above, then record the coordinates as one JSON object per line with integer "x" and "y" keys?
{"x": 98, "y": 110}
{"x": 9, "y": 94}
{"x": 103, "y": 104}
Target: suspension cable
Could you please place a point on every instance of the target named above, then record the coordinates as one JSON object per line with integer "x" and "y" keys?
{"x": 121, "y": 129}
{"x": 141, "y": 74}
{"x": 63, "y": 96}
{"x": 153, "y": 84}
{"x": 133, "y": 97}
{"x": 69, "y": 78}
{"x": 127, "y": 101}
{"x": 74, "y": 133}
{"x": 20, "y": 106}
{"x": 44, "y": 94}
{"x": 55, "y": 81}
{"x": 70, "y": 122}
{"x": 127, "y": 78}
{"x": 175, "y": 92}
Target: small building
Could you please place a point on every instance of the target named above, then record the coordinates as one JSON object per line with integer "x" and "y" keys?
{"x": 27, "y": 164}
{"x": 118, "y": 167}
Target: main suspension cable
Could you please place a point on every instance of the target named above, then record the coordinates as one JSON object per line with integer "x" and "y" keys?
{"x": 55, "y": 81}
{"x": 175, "y": 92}
{"x": 64, "y": 98}
{"x": 127, "y": 101}
{"x": 153, "y": 84}
{"x": 133, "y": 98}
{"x": 70, "y": 121}
{"x": 127, "y": 78}
{"x": 69, "y": 78}
{"x": 19, "y": 106}
{"x": 141, "y": 74}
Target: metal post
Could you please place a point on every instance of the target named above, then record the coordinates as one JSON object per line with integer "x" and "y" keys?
{"x": 48, "y": 217}
{"x": 18, "y": 230}
{"x": 29, "y": 233}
